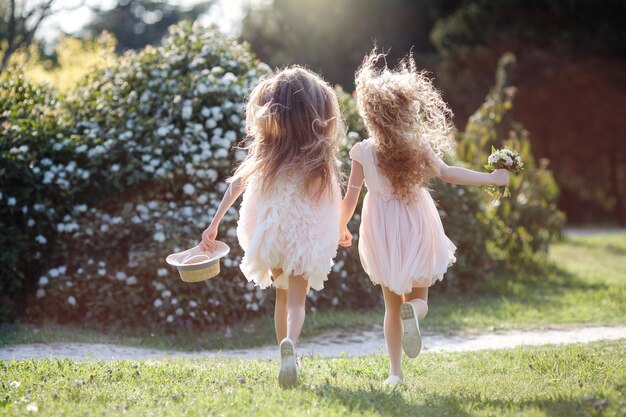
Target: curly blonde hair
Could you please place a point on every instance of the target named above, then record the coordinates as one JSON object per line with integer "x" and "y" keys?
{"x": 293, "y": 125}
{"x": 404, "y": 115}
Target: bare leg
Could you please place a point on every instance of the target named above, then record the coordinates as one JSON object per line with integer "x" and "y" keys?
{"x": 280, "y": 309}
{"x": 419, "y": 298}
{"x": 393, "y": 331}
{"x": 296, "y": 298}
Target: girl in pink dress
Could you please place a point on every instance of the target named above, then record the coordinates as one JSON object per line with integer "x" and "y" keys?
{"x": 402, "y": 243}
{"x": 289, "y": 218}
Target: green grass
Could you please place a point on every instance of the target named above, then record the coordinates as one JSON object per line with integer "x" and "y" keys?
{"x": 575, "y": 380}
{"x": 581, "y": 281}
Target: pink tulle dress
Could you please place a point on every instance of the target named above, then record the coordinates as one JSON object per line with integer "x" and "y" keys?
{"x": 402, "y": 245}
{"x": 288, "y": 229}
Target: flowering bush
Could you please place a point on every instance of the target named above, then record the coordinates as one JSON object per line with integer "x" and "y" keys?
{"x": 155, "y": 133}
{"x": 33, "y": 193}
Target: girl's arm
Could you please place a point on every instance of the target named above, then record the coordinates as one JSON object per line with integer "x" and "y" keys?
{"x": 233, "y": 192}
{"x": 463, "y": 176}
{"x": 350, "y": 200}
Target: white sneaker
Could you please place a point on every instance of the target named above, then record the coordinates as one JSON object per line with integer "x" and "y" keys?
{"x": 288, "y": 374}
{"x": 393, "y": 380}
{"x": 411, "y": 337}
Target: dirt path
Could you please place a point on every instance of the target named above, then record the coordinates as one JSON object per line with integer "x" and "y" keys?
{"x": 329, "y": 345}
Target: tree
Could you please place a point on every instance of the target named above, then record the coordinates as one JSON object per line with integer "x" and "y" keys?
{"x": 137, "y": 23}
{"x": 20, "y": 21}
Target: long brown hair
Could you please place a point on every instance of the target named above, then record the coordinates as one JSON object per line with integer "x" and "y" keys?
{"x": 404, "y": 114}
{"x": 293, "y": 125}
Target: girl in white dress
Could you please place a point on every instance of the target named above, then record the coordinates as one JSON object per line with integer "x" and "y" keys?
{"x": 402, "y": 244}
{"x": 289, "y": 218}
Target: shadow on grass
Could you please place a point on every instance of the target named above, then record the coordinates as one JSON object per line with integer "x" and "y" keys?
{"x": 392, "y": 402}
{"x": 539, "y": 284}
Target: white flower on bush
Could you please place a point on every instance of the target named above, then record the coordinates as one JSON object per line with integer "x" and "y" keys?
{"x": 14, "y": 384}
{"x": 228, "y": 78}
{"x": 159, "y": 237}
{"x": 189, "y": 189}
{"x": 193, "y": 304}
{"x": 169, "y": 318}
{"x": 220, "y": 153}
{"x": 11, "y": 201}
{"x": 240, "y": 154}
{"x": 161, "y": 272}
{"x": 230, "y": 136}
{"x": 120, "y": 276}
{"x": 40, "y": 293}
{"x": 353, "y": 136}
{"x": 71, "y": 300}
{"x": 187, "y": 110}
{"x": 202, "y": 199}
{"x": 115, "y": 167}
{"x": 157, "y": 303}
{"x": 32, "y": 408}
{"x": 166, "y": 294}
{"x": 43, "y": 281}
{"x": 132, "y": 280}
{"x": 210, "y": 124}
{"x": 41, "y": 239}
{"x": 161, "y": 131}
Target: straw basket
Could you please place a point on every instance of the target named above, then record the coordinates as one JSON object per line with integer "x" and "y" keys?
{"x": 194, "y": 265}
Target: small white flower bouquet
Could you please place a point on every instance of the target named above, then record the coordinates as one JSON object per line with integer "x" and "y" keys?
{"x": 503, "y": 159}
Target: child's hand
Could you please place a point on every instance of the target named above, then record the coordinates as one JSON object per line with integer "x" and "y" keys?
{"x": 208, "y": 239}
{"x": 500, "y": 177}
{"x": 345, "y": 239}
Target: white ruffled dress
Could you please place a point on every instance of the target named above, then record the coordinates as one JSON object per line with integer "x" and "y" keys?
{"x": 288, "y": 229}
{"x": 402, "y": 244}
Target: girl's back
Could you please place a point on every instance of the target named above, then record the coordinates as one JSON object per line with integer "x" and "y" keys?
{"x": 402, "y": 243}
{"x": 289, "y": 217}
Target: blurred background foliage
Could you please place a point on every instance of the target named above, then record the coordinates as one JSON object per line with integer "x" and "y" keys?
{"x": 95, "y": 147}
{"x": 571, "y": 71}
